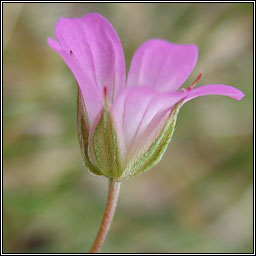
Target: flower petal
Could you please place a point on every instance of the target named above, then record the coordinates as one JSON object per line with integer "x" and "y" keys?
{"x": 212, "y": 89}
{"x": 91, "y": 93}
{"x": 162, "y": 65}
{"x": 137, "y": 113}
{"x": 92, "y": 50}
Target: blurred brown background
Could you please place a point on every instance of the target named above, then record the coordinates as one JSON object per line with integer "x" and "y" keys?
{"x": 197, "y": 199}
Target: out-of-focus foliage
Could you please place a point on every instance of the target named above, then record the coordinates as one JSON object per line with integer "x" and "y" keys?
{"x": 198, "y": 199}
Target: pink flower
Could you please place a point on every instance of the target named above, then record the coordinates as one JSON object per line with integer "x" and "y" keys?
{"x": 125, "y": 126}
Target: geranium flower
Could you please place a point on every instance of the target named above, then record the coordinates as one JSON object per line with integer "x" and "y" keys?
{"x": 124, "y": 126}
{"x": 140, "y": 113}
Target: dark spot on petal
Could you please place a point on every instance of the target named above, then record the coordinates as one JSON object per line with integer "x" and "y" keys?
{"x": 105, "y": 91}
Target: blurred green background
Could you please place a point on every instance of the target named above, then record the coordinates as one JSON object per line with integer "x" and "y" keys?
{"x": 197, "y": 199}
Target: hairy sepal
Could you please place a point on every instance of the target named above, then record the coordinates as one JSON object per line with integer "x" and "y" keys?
{"x": 104, "y": 149}
{"x": 146, "y": 159}
{"x": 83, "y": 128}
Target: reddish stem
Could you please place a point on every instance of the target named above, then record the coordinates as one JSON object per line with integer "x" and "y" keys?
{"x": 113, "y": 193}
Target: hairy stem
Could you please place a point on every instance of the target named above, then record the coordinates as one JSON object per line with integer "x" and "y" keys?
{"x": 113, "y": 192}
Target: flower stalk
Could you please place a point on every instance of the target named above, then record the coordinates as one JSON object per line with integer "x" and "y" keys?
{"x": 113, "y": 192}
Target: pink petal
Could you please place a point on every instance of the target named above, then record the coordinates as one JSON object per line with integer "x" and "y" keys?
{"x": 92, "y": 50}
{"x": 212, "y": 89}
{"x": 91, "y": 93}
{"x": 162, "y": 65}
{"x": 139, "y": 111}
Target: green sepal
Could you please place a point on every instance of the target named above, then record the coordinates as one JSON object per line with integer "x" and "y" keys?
{"x": 105, "y": 145}
{"x": 83, "y": 128}
{"x": 155, "y": 152}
